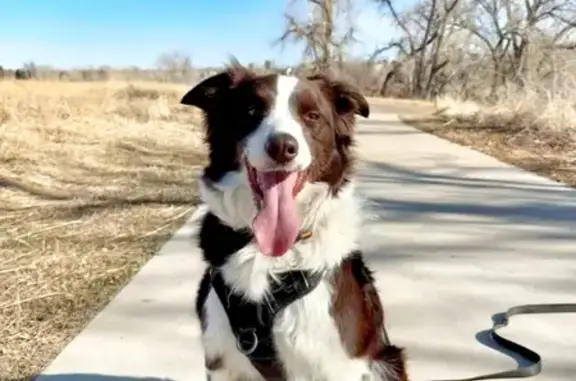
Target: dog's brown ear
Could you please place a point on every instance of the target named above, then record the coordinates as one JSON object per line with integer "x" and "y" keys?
{"x": 205, "y": 94}
{"x": 345, "y": 96}
{"x": 350, "y": 99}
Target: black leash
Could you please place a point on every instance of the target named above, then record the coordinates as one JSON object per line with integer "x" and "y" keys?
{"x": 501, "y": 321}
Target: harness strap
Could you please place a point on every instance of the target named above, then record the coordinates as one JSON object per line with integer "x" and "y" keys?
{"x": 501, "y": 321}
{"x": 252, "y": 322}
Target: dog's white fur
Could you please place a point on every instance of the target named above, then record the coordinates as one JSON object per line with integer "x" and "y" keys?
{"x": 280, "y": 119}
{"x": 306, "y": 337}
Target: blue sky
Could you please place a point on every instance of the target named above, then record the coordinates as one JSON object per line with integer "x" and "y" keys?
{"x": 135, "y": 32}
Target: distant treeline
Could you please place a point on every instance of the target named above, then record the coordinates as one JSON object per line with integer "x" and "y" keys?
{"x": 101, "y": 74}
{"x": 373, "y": 77}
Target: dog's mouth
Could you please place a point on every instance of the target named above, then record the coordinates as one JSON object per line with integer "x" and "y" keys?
{"x": 276, "y": 224}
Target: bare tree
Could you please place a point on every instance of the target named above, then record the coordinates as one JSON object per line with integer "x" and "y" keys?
{"x": 176, "y": 66}
{"x": 31, "y": 69}
{"x": 510, "y": 29}
{"x": 325, "y": 31}
{"x": 503, "y": 41}
{"x": 424, "y": 29}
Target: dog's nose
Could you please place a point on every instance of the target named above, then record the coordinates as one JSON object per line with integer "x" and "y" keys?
{"x": 282, "y": 147}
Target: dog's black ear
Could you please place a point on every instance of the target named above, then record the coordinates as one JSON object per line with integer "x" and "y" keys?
{"x": 345, "y": 96}
{"x": 205, "y": 94}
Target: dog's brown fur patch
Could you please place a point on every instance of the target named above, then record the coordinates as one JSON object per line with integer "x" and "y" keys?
{"x": 359, "y": 317}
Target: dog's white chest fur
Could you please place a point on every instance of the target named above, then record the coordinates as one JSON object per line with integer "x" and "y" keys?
{"x": 305, "y": 334}
{"x": 309, "y": 344}
{"x": 306, "y": 339}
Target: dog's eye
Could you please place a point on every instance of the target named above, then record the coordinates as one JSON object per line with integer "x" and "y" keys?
{"x": 312, "y": 115}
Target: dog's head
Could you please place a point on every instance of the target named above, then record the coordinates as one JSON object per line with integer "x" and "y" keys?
{"x": 281, "y": 133}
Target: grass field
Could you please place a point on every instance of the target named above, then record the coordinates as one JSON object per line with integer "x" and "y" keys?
{"x": 94, "y": 177}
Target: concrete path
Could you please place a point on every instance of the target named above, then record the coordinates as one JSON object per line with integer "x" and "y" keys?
{"x": 454, "y": 235}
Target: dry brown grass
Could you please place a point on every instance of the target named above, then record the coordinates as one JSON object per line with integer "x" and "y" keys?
{"x": 93, "y": 178}
{"x": 405, "y": 107}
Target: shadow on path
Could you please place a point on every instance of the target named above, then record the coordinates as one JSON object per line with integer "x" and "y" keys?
{"x": 470, "y": 241}
{"x": 462, "y": 193}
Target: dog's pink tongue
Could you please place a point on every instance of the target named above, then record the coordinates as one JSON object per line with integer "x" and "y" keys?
{"x": 276, "y": 225}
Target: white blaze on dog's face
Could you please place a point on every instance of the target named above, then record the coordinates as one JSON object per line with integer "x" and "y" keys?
{"x": 277, "y": 156}
{"x": 279, "y": 142}
{"x": 284, "y": 131}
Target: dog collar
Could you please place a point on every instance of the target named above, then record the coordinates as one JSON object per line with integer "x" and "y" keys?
{"x": 252, "y": 322}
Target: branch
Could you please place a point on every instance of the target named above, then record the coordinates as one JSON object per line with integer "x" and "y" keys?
{"x": 398, "y": 21}
{"x": 391, "y": 45}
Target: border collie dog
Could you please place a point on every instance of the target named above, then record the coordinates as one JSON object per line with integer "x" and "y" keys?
{"x": 286, "y": 294}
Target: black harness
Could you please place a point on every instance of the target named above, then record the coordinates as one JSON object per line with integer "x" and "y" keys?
{"x": 252, "y": 322}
